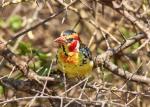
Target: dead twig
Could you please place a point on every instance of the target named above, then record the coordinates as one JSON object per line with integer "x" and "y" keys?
{"x": 104, "y": 59}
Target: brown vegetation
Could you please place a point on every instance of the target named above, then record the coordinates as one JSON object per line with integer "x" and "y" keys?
{"x": 116, "y": 31}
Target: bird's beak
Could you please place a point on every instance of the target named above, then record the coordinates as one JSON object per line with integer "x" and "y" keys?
{"x": 60, "y": 40}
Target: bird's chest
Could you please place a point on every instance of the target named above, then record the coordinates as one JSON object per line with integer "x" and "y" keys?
{"x": 71, "y": 58}
{"x": 72, "y": 64}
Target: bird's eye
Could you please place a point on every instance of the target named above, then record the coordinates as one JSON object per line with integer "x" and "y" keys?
{"x": 70, "y": 40}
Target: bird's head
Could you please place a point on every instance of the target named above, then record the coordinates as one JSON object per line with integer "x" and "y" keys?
{"x": 69, "y": 39}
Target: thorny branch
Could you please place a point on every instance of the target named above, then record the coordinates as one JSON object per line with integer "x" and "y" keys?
{"x": 65, "y": 98}
{"x": 102, "y": 59}
{"x": 40, "y": 23}
{"x": 12, "y": 58}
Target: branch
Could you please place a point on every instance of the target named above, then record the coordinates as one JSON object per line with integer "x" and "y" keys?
{"x": 103, "y": 59}
{"x": 21, "y": 85}
{"x": 82, "y": 101}
{"x": 132, "y": 18}
{"x": 16, "y": 61}
{"x": 19, "y": 64}
{"x": 120, "y": 47}
{"x": 40, "y": 23}
{"x": 126, "y": 74}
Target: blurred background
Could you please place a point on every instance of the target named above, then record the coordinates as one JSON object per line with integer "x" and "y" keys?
{"x": 100, "y": 27}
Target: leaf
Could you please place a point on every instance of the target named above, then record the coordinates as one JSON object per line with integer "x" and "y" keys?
{"x": 127, "y": 33}
{"x": 1, "y": 90}
{"x": 41, "y": 55}
{"x": 43, "y": 71}
{"x": 135, "y": 46}
{"x": 125, "y": 66}
{"x": 15, "y": 22}
{"x": 24, "y": 48}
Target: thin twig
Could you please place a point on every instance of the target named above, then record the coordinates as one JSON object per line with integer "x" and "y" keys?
{"x": 40, "y": 23}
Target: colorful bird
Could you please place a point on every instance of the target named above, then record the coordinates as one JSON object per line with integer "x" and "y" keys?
{"x": 73, "y": 57}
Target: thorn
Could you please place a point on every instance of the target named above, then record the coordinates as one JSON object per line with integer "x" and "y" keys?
{"x": 107, "y": 41}
{"x": 122, "y": 35}
{"x": 124, "y": 39}
{"x": 65, "y": 17}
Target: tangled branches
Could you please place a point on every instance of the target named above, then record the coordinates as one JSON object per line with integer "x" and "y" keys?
{"x": 111, "y": 38}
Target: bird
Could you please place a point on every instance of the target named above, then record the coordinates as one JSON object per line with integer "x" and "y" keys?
{"x": 73, "y": 57}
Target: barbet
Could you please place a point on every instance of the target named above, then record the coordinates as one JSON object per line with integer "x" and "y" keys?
{"x": 73, "y": 57}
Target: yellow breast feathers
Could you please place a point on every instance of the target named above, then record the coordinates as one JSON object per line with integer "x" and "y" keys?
{"x": 72, "y": 64}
